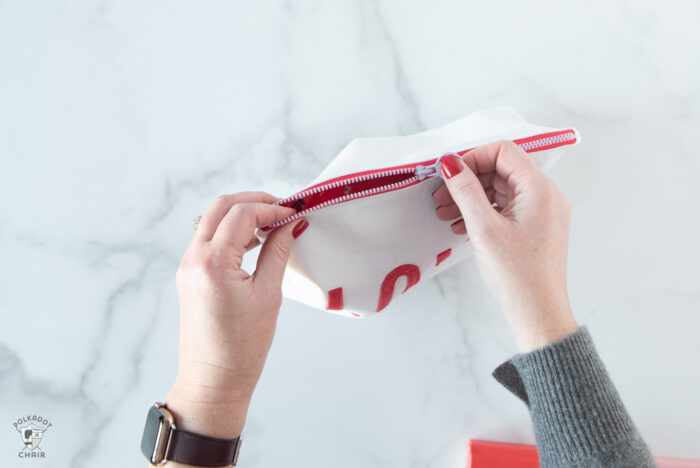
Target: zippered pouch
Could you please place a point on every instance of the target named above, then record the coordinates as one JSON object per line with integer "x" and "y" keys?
{"x": 373, "y": 232}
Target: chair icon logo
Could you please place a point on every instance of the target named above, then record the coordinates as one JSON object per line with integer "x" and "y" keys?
{"x": 32, "y": 429}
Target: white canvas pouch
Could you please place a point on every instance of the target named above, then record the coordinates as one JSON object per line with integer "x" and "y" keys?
{"x": 373, "y": 232}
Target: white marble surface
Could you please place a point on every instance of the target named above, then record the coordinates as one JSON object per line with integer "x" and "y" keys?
{"x": 121, "y": 120}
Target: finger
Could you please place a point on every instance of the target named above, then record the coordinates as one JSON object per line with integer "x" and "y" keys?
{"x": 490, "y": 194}
{"x": 505, "y": 158}
{"x": 486, "y": 178}
{"x": 254, "y": 242}
{"x": 274, "y": 255}
{"x": 458, "y": 227}
{"x": 448, "y": 212}
{"x": 442, "y": 196}
{"x": 501, "y": 186}
{"x": 238, "y": 225}
{"x": 467, "y": 192}
{"x": 501, "y": 200}
{"x": 221, "y": 205}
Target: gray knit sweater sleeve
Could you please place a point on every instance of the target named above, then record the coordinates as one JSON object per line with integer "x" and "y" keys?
{"x": 579, "y": 418}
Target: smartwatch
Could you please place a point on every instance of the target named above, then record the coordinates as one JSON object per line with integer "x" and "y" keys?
{"x": 163, "y": 442}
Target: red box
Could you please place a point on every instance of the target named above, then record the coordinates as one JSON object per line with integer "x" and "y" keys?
{"x": 486, "y": 454}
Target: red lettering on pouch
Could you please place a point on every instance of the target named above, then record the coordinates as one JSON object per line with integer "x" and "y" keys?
{"x": 442, "y": 256}
{"x": 335, "y": 299}
{"x": 386, "y": 292}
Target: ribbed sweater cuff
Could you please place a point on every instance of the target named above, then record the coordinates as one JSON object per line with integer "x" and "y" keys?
{"x": 576, "y": 411}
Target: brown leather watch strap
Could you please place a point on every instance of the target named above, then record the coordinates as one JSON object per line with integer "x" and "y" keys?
{"x": 199, "y": 450}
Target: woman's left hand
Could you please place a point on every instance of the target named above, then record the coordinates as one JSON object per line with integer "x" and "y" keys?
{"x": 228, "y": 317}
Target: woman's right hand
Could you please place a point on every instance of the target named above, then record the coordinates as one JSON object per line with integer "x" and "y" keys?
{"x": 521, "y": 247}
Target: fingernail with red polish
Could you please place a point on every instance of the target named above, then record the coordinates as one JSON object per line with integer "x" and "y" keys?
{"x": 451, "y": 166}
{"x": 299, "y": 228}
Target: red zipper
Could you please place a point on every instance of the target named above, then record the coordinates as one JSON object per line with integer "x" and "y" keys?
{"x": 368, "y": 183}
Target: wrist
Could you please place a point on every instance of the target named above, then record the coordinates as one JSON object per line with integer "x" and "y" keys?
{"x": 216, "y": 381}
{"x": 538, "y": 323}
{"x": 207, "y": 411}
{"x": 532, "y": 338}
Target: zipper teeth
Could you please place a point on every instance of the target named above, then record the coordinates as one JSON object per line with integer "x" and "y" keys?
{"x": 527, "y": 146}
{"x": 338, "y": 183}
{"x": 530, "y": 145}
{"x": 351, "y": 196}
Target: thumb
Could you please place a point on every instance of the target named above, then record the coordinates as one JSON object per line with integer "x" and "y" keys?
{"x": 467, "y": 192}
{"x": 274, "y": 253}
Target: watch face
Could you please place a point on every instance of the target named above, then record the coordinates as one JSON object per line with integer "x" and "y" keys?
{"x": 150, "y": 432}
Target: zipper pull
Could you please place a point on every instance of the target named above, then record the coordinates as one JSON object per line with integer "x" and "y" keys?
{"x": 434, "y": 170}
